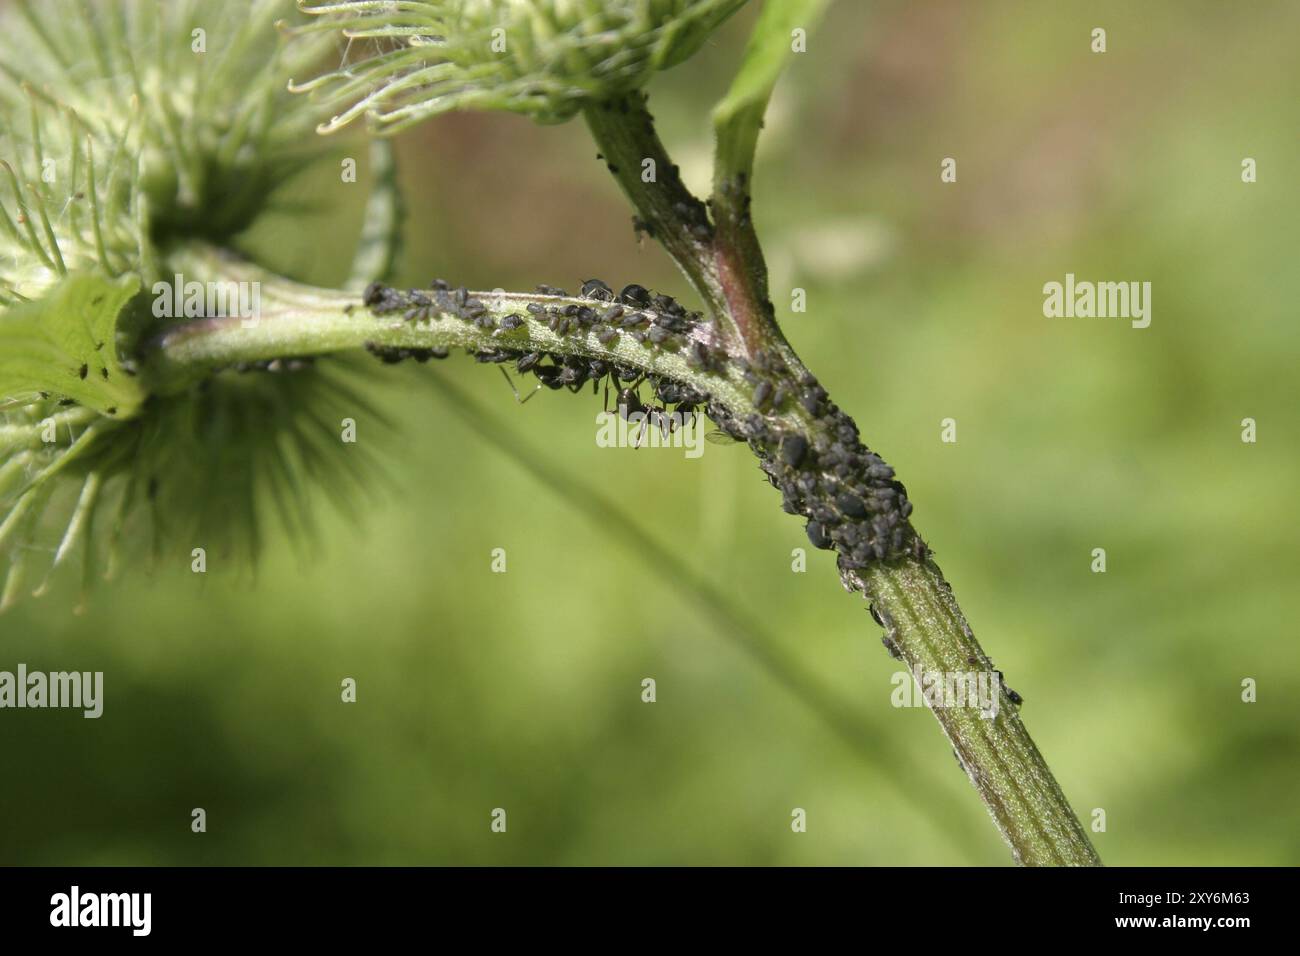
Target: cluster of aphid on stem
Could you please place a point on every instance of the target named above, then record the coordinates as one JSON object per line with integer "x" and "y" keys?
{"x": 652, "y": 320}
{"x": 808, "y": 448}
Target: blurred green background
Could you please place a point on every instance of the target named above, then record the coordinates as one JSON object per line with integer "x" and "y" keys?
{"x": 522, "y": 690}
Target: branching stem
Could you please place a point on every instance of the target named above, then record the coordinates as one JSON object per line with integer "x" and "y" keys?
{"x": 297, "y": 320}
{"x": 722, "y": 258}
{"x": 923, "y": 621}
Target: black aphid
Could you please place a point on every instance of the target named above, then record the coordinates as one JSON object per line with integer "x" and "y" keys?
{"x": 851, "y": 505}
{"x": 391, "y": 355}
{"x": 1011, "y": 694}
{"x": 793, "y": 449}
{"x": 595, "y": 289}
{"x": 698, "y": 356}
{"x": 635, "y": 295}
{"x": 668, "y": 390}
{"x": 818, "y": 536}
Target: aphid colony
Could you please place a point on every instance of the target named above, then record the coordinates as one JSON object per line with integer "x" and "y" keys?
{"x": 651, "y": 319}
{"x": 847, "y": 493}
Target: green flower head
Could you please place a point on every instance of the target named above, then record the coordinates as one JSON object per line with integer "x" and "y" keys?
{"x": 407, "y": 60}
{"x": 127, "y": 128}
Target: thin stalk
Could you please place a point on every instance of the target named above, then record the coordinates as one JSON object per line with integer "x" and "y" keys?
{"x": 893, "y": 765}
{"x": 924, "y": 623}
{"x": 299, "y": 320}
{"x": 922, "y": 618}
{"x": 624, "y": 131}
{"x": 926, "y": 627}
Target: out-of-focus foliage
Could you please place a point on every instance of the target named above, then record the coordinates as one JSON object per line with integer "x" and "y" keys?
{"x": 522, "y": 690}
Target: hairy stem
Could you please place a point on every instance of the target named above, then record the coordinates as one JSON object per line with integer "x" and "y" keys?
{"x": 721, "y": 256}
{"x": 624, "y": 130}
{"x": 297, "y": 320}
{"x": 753, "y": 378}
{"x": 923, "y": 622}
{"x": 927, "y": 631}
{"x": 886, "y": 758}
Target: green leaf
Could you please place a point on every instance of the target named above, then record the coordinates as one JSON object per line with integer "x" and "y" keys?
{"x": 65, "y": 344}
{"x": 739, "y": 116}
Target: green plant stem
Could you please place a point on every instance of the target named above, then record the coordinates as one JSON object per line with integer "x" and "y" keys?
{"x": 882, "y": 753}
{"x": 725, "y": 264}
{"x": 381, "y": 231}
{"x": 299, "y": 320}
{"x": 926, "y": 626}
{"x": 624, "y": 131}
{"x": 1006, "y": 769}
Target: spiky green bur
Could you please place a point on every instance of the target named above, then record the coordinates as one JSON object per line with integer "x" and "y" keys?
{"x": 545, "y": 58}
{"x": 127, "y": 127}
{"x": 127, "y": 123}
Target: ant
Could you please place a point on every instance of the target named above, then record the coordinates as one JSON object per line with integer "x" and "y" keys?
{"x": 629, "y": 404}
